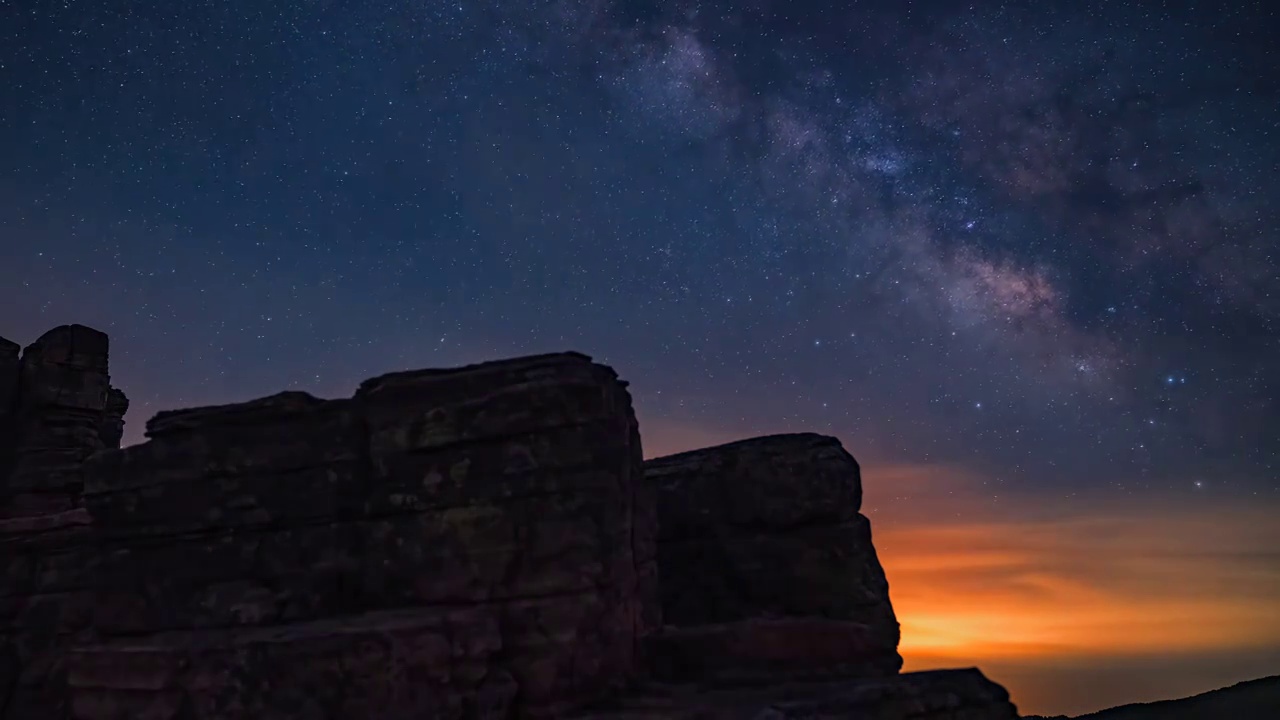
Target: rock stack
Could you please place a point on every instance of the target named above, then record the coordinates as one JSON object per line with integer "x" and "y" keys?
{"x": 762, "y": 547}
{"x": 479, "y": 542}
{"x": 57, "y": 408}
{"x": 775, "y": 603}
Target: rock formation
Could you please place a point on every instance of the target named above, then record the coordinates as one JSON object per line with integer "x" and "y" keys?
{"x": 758, "y": 531}
{"x": 444, "y": 544}
{"x": 56, "y": 409}
{"x": 480, "y": 542}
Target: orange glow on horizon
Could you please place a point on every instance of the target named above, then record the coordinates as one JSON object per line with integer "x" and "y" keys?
{"x": 979, "y": 579}
{"x": 1073, "y": 604}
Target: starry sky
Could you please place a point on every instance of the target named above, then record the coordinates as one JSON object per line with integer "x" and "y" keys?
{"x": 1021, "y": 257}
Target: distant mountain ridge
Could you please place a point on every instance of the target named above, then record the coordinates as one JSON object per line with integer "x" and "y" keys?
{"x": 1250, "y": 700}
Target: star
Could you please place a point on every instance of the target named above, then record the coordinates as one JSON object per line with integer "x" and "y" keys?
{"x": 710, "y": 202}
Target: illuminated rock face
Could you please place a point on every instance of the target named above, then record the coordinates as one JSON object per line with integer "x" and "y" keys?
{"x": 479, "y": 542}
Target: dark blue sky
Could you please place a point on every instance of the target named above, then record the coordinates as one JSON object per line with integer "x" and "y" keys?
{"x": 1037, "y": 241}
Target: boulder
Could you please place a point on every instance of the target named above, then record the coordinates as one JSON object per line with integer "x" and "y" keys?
{"x": 770, "y": 528}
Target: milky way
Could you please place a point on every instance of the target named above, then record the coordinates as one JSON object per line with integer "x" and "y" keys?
{"x": 1037, "y": 241}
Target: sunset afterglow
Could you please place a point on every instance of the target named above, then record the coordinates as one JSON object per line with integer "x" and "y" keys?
{"x": 1077, "y": 602}
{"x": 1004, "y": 582}
{"x": 1021, "y": 259}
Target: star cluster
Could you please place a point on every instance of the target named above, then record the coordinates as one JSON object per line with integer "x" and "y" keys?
{"x": 1039, "y": 240}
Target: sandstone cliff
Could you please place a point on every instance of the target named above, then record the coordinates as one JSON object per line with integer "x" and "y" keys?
{"x": 479, "y": 542}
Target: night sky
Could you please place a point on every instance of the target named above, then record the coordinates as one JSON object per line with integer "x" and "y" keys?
{"x": 1023, "y": 258}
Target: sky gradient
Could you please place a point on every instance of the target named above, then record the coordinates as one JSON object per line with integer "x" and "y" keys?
{"x": 1022, "y": 258}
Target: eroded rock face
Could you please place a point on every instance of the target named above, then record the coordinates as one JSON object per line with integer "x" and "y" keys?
{"x": 56, "y": 409}
{"x": 444, "y": 544}
{"x": 770, "y": 528}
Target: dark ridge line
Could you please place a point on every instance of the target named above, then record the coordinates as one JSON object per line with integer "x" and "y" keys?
{"x": 812, "y": 437}
{"x": 540, "y": 360}
{"x": 1118, "y": 711}
{"x": 155, "y": 427}
{"x": 228, "y": 412}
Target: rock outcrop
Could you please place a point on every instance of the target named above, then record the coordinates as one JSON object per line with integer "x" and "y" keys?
{"x": 757, "y": 531}
{"x": 479, "y": 542}
{"x": 775, "y": 603}
{"x": 57, "y": 408}
{"x": 444, "y": 544}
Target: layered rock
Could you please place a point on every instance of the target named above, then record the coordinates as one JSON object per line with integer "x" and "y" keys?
{"x": 62, "y": 409}
{"x": 479, "y": 542}
{"x": 777, "y": 606}
{"x": 56, "y": 409}
{"x": 762, "y": 547}
{"x": 444, "y": 544}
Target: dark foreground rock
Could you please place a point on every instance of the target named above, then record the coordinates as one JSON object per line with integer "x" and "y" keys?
{"x": 57, "y": 408}
{"x": 766, "y": 650}
{"x": 931, "y": 695}
{"x": 478, "y": 542}
{"x": 444, "y": 544}
{"x": 770, "y": 528}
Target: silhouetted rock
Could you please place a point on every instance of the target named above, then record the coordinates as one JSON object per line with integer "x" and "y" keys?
{"x": 60, "y": 410}
{"x": 111, "y": 429}
{"x": 423, "y": 549}
{"x": 767, "y": 650}
{"x": 56, "y": 409}
{"x": 478, "y": 542}
{"x": 770, "y": 528}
